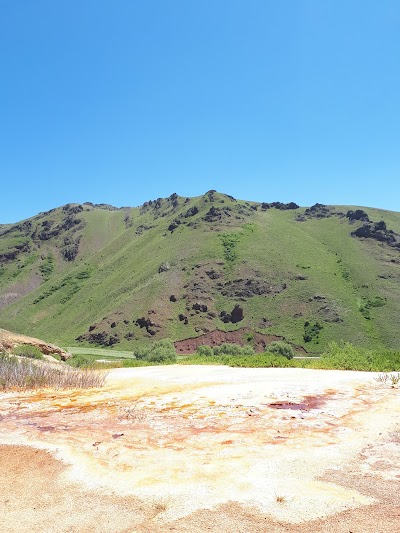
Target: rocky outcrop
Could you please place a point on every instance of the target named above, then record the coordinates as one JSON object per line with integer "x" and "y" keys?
{"x": 216, "y": 214}
{"x": 149, "y": 325}
{"x": 379, "y": 232}
{"x": 358, "y": 214}
{"x": 101, "y": 338}
{"x": 247, "y": 288}
{"x": 236, "y": 315}
{"x": 12, "y": 253}
{"x": 318, "y": 211}
{"x": 279, "y": 205}
{"x": 9, "y": 340}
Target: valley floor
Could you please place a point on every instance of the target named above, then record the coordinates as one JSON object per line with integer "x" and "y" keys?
{"x": 204, "y": 448}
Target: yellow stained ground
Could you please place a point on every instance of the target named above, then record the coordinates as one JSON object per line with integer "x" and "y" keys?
{"x": 195, "y": 437}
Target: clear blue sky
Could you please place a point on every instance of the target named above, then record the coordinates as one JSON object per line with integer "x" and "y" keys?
{"x": 123, "y": 101}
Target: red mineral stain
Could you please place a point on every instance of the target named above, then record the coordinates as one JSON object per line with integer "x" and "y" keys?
{"x": 310, "y": 402}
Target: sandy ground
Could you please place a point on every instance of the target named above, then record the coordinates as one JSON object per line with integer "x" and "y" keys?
{"x": 204, "y": 448}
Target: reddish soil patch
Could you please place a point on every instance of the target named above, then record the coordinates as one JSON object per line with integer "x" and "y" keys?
{"x": 214, "y": 338}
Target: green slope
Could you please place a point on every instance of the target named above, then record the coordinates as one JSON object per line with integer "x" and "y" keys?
{"x": 90, "y": 272}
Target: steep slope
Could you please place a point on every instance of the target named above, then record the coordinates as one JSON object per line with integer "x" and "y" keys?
{"x": 183, "y": 267}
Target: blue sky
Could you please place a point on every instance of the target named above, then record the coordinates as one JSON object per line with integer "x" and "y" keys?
{"x": 124, "y": 101}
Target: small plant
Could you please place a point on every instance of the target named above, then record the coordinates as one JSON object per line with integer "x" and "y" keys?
{"x": 249, "y": 337}
{"x": 27, "y": 350}
{"x": 395, "y": 379}
{"x": 280, "y": 498}
{"x": 386, "y": 376}
{"x": 281, "y": 348}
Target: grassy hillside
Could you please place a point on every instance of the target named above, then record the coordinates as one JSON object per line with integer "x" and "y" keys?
{"x": 177, "y": 267}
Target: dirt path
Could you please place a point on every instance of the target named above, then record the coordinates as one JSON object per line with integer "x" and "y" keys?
{"x": 195, "y": 448}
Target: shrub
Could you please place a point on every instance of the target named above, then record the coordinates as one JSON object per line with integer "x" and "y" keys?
{"x": 281, "y": 348}
{"x": 233, "y": 349}
{"x": 162, "y": 351}
{"x": 81, "y": 361}
{"x": 27, "y": 350}
{"x": 311, "y": 331}
{"x": 207, "y": 351}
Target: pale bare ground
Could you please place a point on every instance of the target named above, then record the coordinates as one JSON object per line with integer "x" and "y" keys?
{"x": 200, "y": 448}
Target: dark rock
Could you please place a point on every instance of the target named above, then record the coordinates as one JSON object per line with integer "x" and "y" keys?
{"x": 237, "y": 314}
{"x": 279, "y": 205}
{"x": 216, "y": 214}
{"x": 113, "y": 324}
{"x": 172, "y": 298}
{"x": 199, "y": 307}
{"x": 175, "y": 224}
{"x": 126, "y": 321}
{"x": 212, "y": 274}
{"x": 358, "y": 214}
{"x": 92, "y": 327}
{"x": 140, "y": 229}
{"x": 377, "y": 231}
{"x": 318, "y": 211}
{"x": 182, "y": 317}
{"x": 101, "y": 338}
{"x": 247, "y": 288}
{"x": 191, "y": 212}
{"x": 225, "y": 317}
{"x": 144, "y": 322}
{"x": 73, "y": 209}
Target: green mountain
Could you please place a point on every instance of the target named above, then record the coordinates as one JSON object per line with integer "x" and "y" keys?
{"x": 185, "y": 267}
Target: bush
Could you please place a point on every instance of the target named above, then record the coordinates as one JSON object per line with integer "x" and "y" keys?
{"x": 233, "y": 349}
{"x": 81, "y": 361}
{"x": 27, "y": 350}
{"x": 207, "y": 351}
{"x": 281, "y": 348}
{"x": 311, "y": 331}
{"x": 162, "y": 351}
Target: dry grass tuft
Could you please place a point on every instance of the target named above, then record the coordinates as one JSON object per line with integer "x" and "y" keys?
{"x": 18, "y": 373}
